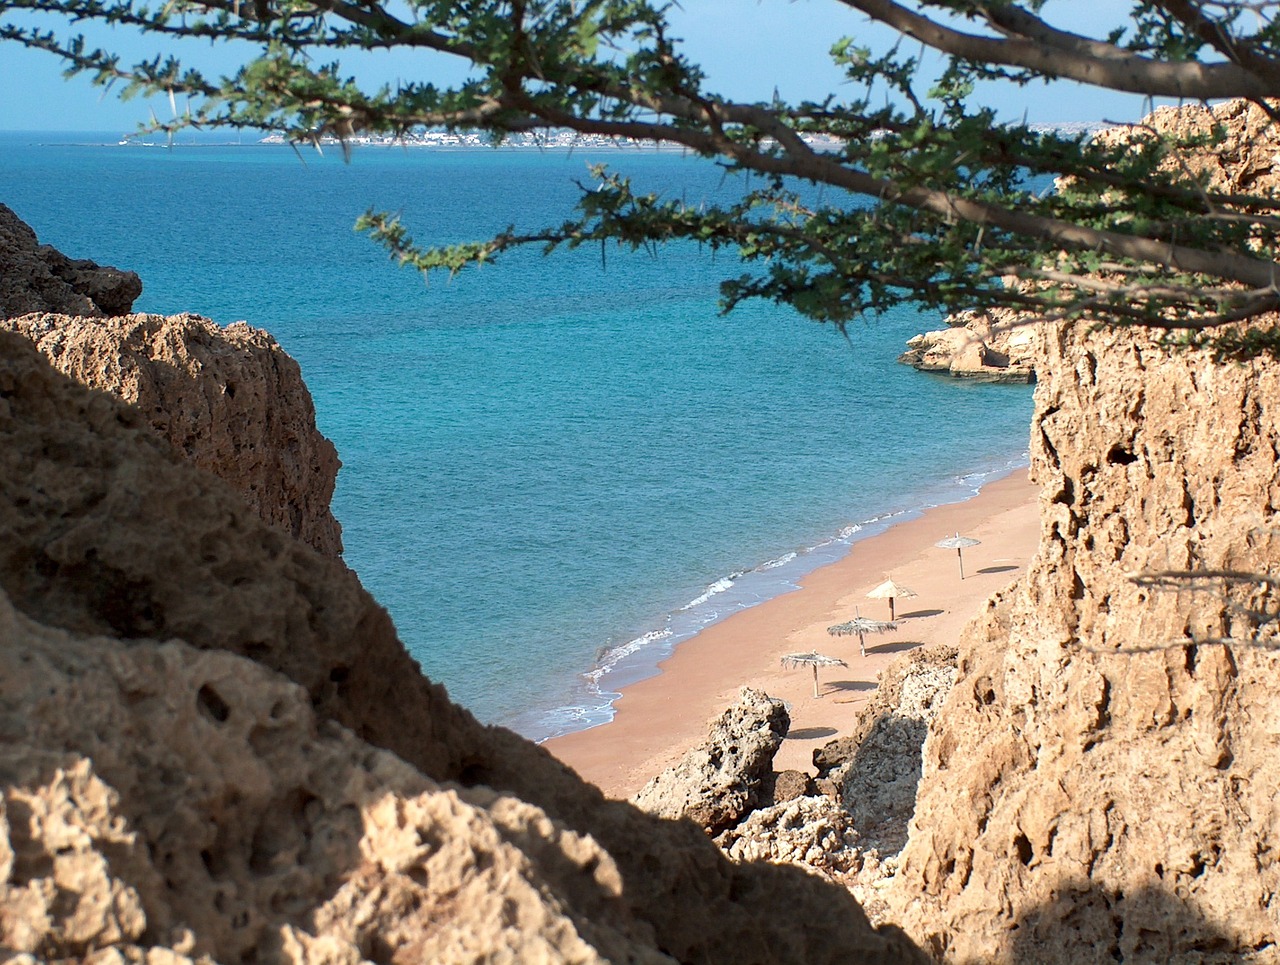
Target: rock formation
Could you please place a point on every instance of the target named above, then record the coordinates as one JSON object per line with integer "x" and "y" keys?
{"x": 997, "y": 345}
{"x": 876, "y": 769}
{"x": 727, "y": 775}
{"x": 38, "y": 278}
{"x": 229, "y": 399}
{"x": 195, "y": 711}
{"x": 1246, "y": 160}
{"x": 1102, "y": 780}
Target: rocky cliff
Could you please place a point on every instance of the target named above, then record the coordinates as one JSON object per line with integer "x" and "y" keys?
{"x": 228, "y": 399}
{"x": 214, "y": 745}
{"x": 1102, "y": 782}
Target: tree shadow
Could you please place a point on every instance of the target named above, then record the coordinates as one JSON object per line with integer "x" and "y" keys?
{"x": 810, "y": 733}
{"x": 851, "y": 685}
{"x": 916, "y": 614}
{"x": 1089, "y": 923}
{"x": 997, "y": 569}
{"x": 897, "y": 647}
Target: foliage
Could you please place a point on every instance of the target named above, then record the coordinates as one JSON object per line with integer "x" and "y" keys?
{"x": 933, "y": 200}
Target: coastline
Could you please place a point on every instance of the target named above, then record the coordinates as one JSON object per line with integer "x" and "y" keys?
{"x": 658, "y": 719}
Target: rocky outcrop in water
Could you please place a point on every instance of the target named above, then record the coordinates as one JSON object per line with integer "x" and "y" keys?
{"x": 997, "y": 345}
{"x": 727, "y": 775}
{"x": 228, "y": 399}
{"x": 39, "y": 278}
{"x": 1102, "y": 780}
{"x": 214, "y": 745}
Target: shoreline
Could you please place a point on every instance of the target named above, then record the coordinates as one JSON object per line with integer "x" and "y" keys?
{"x": 621, "y": 666}
{"x": 656, "y": 720}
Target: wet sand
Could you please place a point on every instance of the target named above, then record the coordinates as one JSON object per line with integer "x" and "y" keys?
{"x": 658, "y": 719}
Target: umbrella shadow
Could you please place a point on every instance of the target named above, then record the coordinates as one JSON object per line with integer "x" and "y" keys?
{"x": 914, "y": 614}
{"x": 850, "y": 685}
{"x": 997, "y": 569}
{"x": 810, "y": 733}
{"x": 897, "y": 647}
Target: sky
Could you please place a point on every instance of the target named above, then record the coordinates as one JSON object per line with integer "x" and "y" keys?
{"x": 748, "y": 48}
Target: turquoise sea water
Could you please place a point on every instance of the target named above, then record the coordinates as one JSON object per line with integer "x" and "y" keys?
{"x": 554, "y": 469}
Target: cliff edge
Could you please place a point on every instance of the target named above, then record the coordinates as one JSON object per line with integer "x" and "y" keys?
{"x": 1102, "y": 780}
{"x": 39, "y": 278}
{"x": 228, "y": 399}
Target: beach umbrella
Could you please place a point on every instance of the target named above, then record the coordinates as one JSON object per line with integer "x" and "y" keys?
{"x": 812, "y": 659}
{"x": 862, "y": 626}
{"x": 958, "y": 543}
{"x": 888, "y": 590}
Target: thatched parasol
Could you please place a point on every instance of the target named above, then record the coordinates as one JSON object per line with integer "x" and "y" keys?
{"x": 862, "y": 626}
{"x": 888, "y": 590}
{"x": 958, "y": 543}
{"x": 812, "y": 659}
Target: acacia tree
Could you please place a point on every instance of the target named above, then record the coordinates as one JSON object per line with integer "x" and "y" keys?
{"x": 935, "y": 201}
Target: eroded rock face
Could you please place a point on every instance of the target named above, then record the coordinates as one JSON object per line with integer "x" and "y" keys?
{"x": 38, "y": 278}
{"x": 877, "y": 767}
{"x": 171, "y": 650}
{"x": 1103, "y": 780}
{"x": 1245, "y": 161}
{"x": 730, "y": 773}
{"x": 229, "y": 399}
{"x": 157, "y": 795}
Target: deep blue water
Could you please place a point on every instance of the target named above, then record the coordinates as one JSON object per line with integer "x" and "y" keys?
{"x": 546, "y": 462}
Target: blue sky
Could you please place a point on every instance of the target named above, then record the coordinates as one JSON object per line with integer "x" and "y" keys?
{"x": 747, "y": 47}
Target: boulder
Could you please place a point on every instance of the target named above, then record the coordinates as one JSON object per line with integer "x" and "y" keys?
{"x": 730, "y": 773}
{"x": 788, "y": 785}
{"x": 38, "y": 278}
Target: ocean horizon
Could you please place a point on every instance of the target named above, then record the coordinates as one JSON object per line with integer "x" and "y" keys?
{"x": 555, "y": 468}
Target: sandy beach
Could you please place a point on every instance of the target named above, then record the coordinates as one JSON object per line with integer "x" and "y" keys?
{"x": 658, "y": 719}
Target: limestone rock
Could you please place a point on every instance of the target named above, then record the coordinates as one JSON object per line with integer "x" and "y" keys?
{"x": 788, "y": 785}
{"x": 38, "y": 278}
{"x": 292, "y": 835}
{"x": 1245, "y": 161}
{"x": 157, "y": 795}
{"x": 728, "y": 774}
{"x": 996, "y": 345}
{"x": 877, "y": 767}
{"x": 229, "y": 399}
{"x": 1103, "y": 778}
{"x": 811, "y": 831}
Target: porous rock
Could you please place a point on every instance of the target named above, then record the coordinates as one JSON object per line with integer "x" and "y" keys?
{"x": 160, "y": 796}
{"x": 39, "y": 278}
{"x": 806, "y": 830}
{"x": 788, "y": 785}
{"x": 229, "y": 399}
{"x": 1102, "y": 780}
{"x": 877, "y": 766}
{"x": 727, "y": 775}
{"x": 168, "y": 579}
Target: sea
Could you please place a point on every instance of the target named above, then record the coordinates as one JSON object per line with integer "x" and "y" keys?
{"x": 556, "y": 468}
